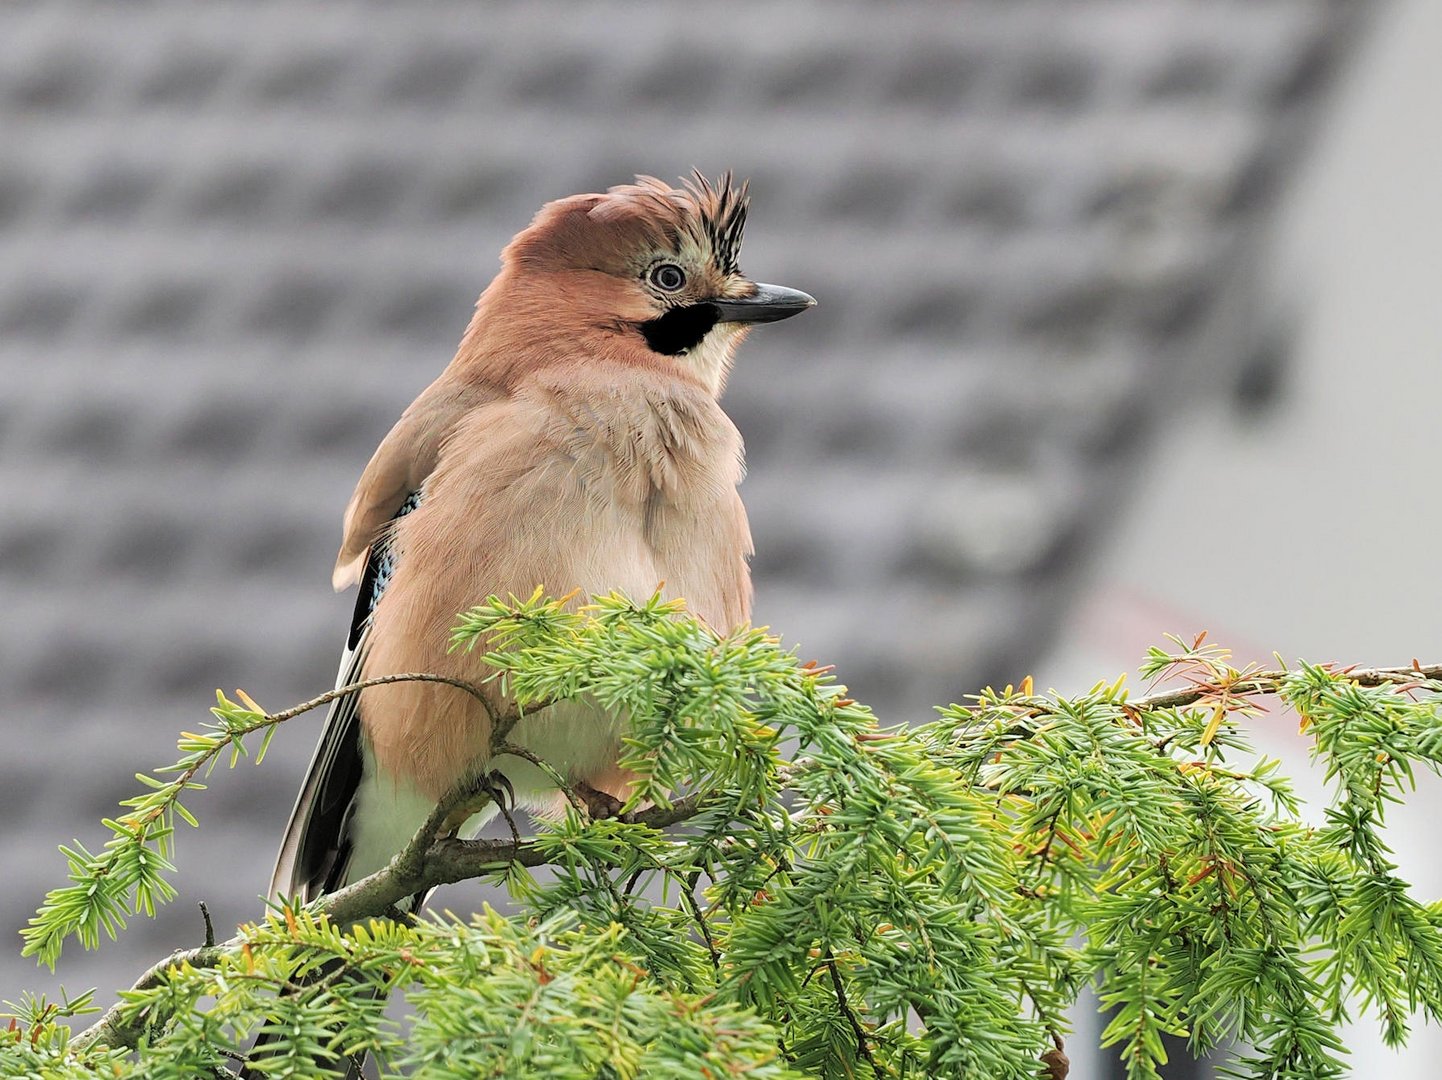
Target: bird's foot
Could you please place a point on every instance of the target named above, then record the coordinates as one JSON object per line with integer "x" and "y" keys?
{"x": 498, "y": 786}
{"x": 490, "y": 788}
{"x": 600, "y": 804}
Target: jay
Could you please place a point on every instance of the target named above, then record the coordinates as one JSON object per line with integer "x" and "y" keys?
{"x": 575, "y": 442}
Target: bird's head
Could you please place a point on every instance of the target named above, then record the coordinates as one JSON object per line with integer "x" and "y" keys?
{"x": 645, "y": 272}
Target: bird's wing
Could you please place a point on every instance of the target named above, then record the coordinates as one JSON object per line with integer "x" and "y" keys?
{"x": 400, "y": 466}
{"x": 313, "y": 855}
{"x": 317, "y": 842}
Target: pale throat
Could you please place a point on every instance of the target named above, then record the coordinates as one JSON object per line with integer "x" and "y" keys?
{"x": 711, "y": 357}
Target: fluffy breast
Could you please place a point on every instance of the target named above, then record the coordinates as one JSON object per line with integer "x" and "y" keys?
{"x": 609, "y": 486}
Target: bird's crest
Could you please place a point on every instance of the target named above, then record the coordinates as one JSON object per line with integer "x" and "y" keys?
{"x": 721, "y": 210}
{"x": 708, "y": 215}
{"x": 714, "y": 214}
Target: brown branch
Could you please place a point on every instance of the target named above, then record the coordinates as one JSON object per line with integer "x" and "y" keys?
{"x": 1257, "y": 682}
{"x": 863, "y": 1044}
{"x": 425, "y": 863}
{"x": 448, "y": 860}
{"x": 209, "y": 926}
{"x": 467, "y": 798}
{"x": 1269, "y": 682}
{"x": 383, "y": 680}
{"x": 115, "y": 1029}
{"x": 688, "y": 895}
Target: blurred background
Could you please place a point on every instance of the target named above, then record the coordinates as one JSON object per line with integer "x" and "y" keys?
{"x": 1123, "y": 304}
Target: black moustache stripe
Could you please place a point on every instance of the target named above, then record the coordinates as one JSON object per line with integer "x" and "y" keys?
{"x": 680, "y": 328}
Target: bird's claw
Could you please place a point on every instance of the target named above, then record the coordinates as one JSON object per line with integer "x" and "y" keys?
{"x": 498, "y": 786}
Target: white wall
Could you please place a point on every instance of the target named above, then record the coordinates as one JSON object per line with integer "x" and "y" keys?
{"x": 1314, "y": 531}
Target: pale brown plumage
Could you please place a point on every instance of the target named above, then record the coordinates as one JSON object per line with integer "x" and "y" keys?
{"x": 574, "y": 443}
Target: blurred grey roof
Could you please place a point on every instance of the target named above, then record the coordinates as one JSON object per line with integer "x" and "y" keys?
{"x": 236, "y": 240}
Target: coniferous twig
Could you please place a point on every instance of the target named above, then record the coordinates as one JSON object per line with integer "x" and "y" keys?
{"x": 906, "y": 902}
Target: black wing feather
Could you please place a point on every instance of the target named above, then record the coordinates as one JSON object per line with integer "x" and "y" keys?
{"x": 317, "y": 842}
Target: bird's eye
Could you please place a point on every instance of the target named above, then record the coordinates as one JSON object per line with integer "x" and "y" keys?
{"x": 668, "y": 277}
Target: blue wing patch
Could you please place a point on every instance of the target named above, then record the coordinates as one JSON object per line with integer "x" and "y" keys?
{"x": 380, "y": 568}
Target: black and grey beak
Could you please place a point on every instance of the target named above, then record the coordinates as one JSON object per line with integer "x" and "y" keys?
{"x": 683, "y": 328}
{"x": 769, "y": 303}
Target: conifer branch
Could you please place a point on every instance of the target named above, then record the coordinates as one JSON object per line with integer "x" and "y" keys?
{"x": 424, "y": 864}
{"x": 987, "y": 864}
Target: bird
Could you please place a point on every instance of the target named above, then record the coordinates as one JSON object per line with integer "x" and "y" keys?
{"x": 575, "y": 443}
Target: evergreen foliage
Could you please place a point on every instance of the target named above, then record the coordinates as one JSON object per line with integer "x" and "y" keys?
{"x": 796, "y": 891}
